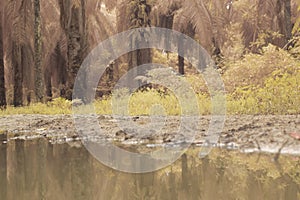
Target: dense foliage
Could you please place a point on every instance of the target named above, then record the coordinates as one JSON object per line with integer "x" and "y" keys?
{"x": 255, "y": 44}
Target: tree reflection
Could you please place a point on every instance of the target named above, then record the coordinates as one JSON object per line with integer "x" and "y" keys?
{"x": 39, "y": 170}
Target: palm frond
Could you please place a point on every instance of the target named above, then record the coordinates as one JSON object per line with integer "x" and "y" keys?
{"x": 123, "y": 16}
{"x": 180, "y": 20}
{"x": 167, "y": 7}
{"x": 199, "y": 16}
{"x": 110, "y": 4}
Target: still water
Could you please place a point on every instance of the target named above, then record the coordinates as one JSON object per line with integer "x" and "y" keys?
{"x": 37, "y": 169}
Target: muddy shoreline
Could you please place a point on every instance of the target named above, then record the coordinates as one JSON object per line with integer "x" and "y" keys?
{"x": 244, "y": 132}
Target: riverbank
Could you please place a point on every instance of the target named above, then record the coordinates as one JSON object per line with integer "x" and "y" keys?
{"x": 269, "y": 133}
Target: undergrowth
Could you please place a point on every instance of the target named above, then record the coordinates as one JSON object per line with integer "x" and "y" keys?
{"x": 266, "y": 83}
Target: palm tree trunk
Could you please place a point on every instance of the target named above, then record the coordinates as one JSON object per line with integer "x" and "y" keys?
{"x": 39, "y": 81}
{"x": 2, "y": 81}
{"x": 20, "y": 49}
{"x": 132, "y": 64}
{"x": 18, "y": 73}
{"x": 181, "y": 65}
{"x": 139, "y": 17}
{"x": 144, "y": 57}
{"x": 74, "y": 24}
{"x": 287, "y": 22}
{"x": 59, "y": 72}
{"x": 181, "y": 55}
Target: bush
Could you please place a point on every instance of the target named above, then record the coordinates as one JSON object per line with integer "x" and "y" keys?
{"x": 279, "y": 95}
{"x": 254, "y": 69}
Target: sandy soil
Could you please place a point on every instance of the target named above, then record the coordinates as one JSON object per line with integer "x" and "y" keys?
{"x": 246, "y": 133}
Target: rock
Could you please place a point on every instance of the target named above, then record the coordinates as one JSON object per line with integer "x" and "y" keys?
{"x": 295, "y": 135}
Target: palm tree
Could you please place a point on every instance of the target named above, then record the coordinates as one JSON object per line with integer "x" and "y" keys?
{"x": 19, "y": 36}
{"x": 39, "y": 81}
{"x": 54, "y": 50}
{"x": 138, "y": 13}
{"x": 2, "y": 81}
{"x": 97, "y": 24}
{"x": 101, "y": 23}
{"x": 73, "y": 22}
{"x": 270, "y": 19}
{"x": 19, "y": 31}
{"x": 192, "y": 18}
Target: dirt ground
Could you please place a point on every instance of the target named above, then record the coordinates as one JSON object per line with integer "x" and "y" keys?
{"x": 246, "y": 133}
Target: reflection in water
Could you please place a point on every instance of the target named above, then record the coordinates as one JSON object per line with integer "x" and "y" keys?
{"x": 40, "y": 170}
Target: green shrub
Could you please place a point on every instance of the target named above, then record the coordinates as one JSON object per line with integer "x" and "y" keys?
{"x": 254, "y": 69}
{"x": 278, "y": 95}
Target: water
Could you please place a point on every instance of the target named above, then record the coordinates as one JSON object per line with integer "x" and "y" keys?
{"x": 37, "y": 169}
